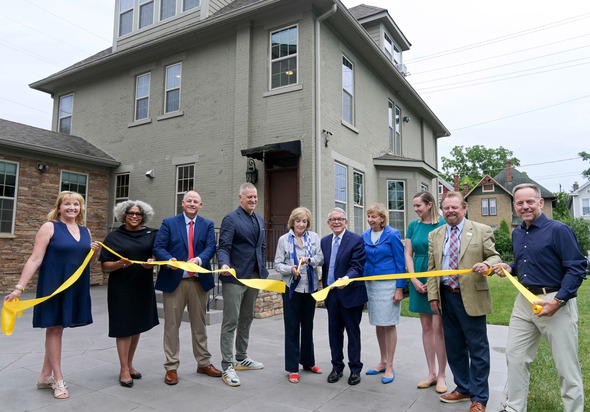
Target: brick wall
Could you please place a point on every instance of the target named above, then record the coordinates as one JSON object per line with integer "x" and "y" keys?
{"x": 268, "y": 304}
{"x": 36, "y": 196}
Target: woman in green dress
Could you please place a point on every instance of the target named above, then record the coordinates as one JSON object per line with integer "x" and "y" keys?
{"x": 416, "y": 254}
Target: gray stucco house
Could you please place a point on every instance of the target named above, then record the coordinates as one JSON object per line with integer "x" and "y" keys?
{"x": 307, "y": 96}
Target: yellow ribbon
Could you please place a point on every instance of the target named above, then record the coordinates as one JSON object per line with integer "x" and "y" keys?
{"x": 322, "y": 294}
{"x": 531, "y": 297}
{"x": 13, "y": 308}
{"x": 262, "y": 284}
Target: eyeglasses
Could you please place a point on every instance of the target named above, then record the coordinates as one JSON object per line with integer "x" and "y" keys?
{"x": 138, "y": 214}
{"x": 337, "y": 219}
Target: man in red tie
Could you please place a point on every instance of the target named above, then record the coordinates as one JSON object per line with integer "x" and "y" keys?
{"x": 191, "y": 238}
{"x": 464, "y": 300}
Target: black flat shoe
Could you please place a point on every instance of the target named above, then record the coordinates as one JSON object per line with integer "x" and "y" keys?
{"x": 126, "y": 384}
{"x": 334, "y": 376}
{"x": 135, "y": 375}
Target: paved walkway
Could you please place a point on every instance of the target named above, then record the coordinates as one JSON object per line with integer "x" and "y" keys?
{"x": 90, "y": 367}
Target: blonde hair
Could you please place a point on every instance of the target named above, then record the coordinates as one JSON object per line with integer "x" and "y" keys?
{"x": 54, "y": 214}
{"x": 299, "y": 213}
{"x": 381, "y": 211}
{"x": 426, "y": 198}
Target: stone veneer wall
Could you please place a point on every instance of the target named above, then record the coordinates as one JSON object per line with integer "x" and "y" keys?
{"x": 36, "y": 195}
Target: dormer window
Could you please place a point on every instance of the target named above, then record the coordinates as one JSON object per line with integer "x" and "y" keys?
{"x": 125, "y": 17}
{"x": 146, "y": 13}
{"x": 392, "y": 51}
{"x": 488, "y": 187}
{"x": 388, "y": 46}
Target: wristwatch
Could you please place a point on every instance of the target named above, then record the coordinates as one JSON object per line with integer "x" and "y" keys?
{"x": 561, "y": 302}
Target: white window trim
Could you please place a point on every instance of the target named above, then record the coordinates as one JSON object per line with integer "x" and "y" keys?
{"x": 176, "y": 192}
{"x": 360, "y": 206}
{"x": 485, "y": 207}
{"x": 11, "y": 233}
{"x": 404, "y": 225}
{"x": 84, "y": 195}
{"x": 137, "y": 99}
{"x": 483, "y": 187}
{"x": 166, "y": 89}
{"x": 339, "y": 203}
{"x": 288, "y": 87}
{"x": 71, "y": 115}
{"x": 350, "y": 93}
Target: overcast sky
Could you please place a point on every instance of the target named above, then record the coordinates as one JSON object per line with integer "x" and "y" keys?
{"x": 504, "y": 73}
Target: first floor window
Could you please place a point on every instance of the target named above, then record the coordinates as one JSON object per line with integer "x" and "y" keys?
{"x": 358, "y": 188}
{"x": 185, "y": 181}
{"x": 66, "y": 107}
{"x": 142, "y": 96}
{"x": 423, "y": 187}
{"x": 74, "y": 182}
{"x": 8, "y": 174}
{"x": 173, "y": 75}
{"x": 121, "y": 190}
{"x": 340, "y": 194}
{"x": 396, "y": 201}
{"x": 283, "y": 57}
{"x": 586, "y": 206}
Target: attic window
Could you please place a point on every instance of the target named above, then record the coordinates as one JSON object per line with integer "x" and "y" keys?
{"x": 487, "y": 187}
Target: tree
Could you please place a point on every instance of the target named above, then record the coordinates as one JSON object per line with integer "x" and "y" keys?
{"x": 580, "y": 226}
{"x": 473, "y": 163}
{"x": 560, "y": 211}
{"x": 504, "y": 241}
{"x": 585, "y": 156}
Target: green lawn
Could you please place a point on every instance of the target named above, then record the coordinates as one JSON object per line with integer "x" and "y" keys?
{"x": 544, "y": 392}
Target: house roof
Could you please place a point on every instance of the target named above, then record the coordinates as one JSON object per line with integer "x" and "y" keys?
{"x": 228, "y": 18}
{"x": 35, "y": 140}
{"x": 519, "y": 178}
{"x": 576, "y": 193}
{"x": 365, "y": 14}
{"x": 391, "y": 160}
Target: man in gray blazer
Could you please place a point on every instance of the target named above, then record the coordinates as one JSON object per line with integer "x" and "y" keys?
{"x": 242, "y": 246}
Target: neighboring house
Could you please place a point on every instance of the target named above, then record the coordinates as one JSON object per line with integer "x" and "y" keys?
{"x": 443, "y": 187}
{"x": 578, "y": 202}
{"x": 35, "y": 165}
{"x": 490, "y": 200}
{"x": 305, "y": 97}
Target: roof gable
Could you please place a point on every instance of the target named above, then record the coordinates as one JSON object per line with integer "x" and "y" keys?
{"x": 517, "y": 179}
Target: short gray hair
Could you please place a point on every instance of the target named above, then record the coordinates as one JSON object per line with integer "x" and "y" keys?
{"x": 527, "y": 186}
{"x": 339, "y": 210}
{"x": 245, "y": 186}
{"x": 122, "y": 208}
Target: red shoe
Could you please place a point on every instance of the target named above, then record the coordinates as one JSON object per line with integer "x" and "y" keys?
{"x": 314, "y": 369}
{"x": 294, "y": 377}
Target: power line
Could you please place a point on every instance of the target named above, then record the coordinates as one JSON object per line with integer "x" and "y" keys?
{"x": 498, "y": 80}
{"x": 521, "y": 113}
{"x": 497, "y": 56}
{"x": 514, "y": 72}
{"x": 24, "y": 105}
{"x": 506, "y": 64}
{"x": 35, "y": 55}
{"x": 502, "y": 38}
{"x": 67, "y": 21}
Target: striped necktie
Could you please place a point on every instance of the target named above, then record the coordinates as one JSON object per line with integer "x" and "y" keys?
{"x": 454, "y": 257}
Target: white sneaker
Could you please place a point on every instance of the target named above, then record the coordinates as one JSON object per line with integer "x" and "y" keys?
{"x": 249, "y": 364}
{"x": 231, "y": 377}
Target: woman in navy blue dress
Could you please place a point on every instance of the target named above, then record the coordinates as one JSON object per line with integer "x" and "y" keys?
{"x": 61, "y": 245}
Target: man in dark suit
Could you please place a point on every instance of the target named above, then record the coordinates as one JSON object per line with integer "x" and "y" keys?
{"x": 242, "y": 246}
{"x": 464, "y": 299}
{"x": 345, "y": 305}
{"x": 183, "y": 289}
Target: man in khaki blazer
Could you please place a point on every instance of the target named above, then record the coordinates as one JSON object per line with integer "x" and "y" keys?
{"x": 463, "y": 304}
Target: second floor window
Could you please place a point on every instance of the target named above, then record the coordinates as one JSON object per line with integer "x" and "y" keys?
{"x": 173, "y": 76}
{"x": 190, "y": 4}
{"x": 347, "y": 91}
{"x": 394, "y": 114}
{"x": 340, "y": 193}
{"x": 142, "y": 96}
{"x": 488, "y": 207}
{"x": 283, "y": 57}
{"x": 125, "y": 17}
{"x": 388, "y": 46}
{"x": 66, "y": 107}
{"x": 586, "y": 207}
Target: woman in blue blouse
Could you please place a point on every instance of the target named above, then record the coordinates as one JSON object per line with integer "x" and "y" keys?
{"x": 384, "y": 255}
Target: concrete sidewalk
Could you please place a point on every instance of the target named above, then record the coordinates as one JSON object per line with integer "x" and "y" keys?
{"x": 90, "y": 366}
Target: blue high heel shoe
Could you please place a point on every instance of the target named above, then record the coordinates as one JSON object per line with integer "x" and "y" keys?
{"x": 388, "y": 380}
{"x": 374, "y": 372}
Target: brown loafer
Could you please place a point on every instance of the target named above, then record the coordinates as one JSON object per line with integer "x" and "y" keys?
{"x": 171, "y": 378}
{"x": 210, "y": 370}
{"x": 454, "y": 397}
{"x": 477, "y": 407}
